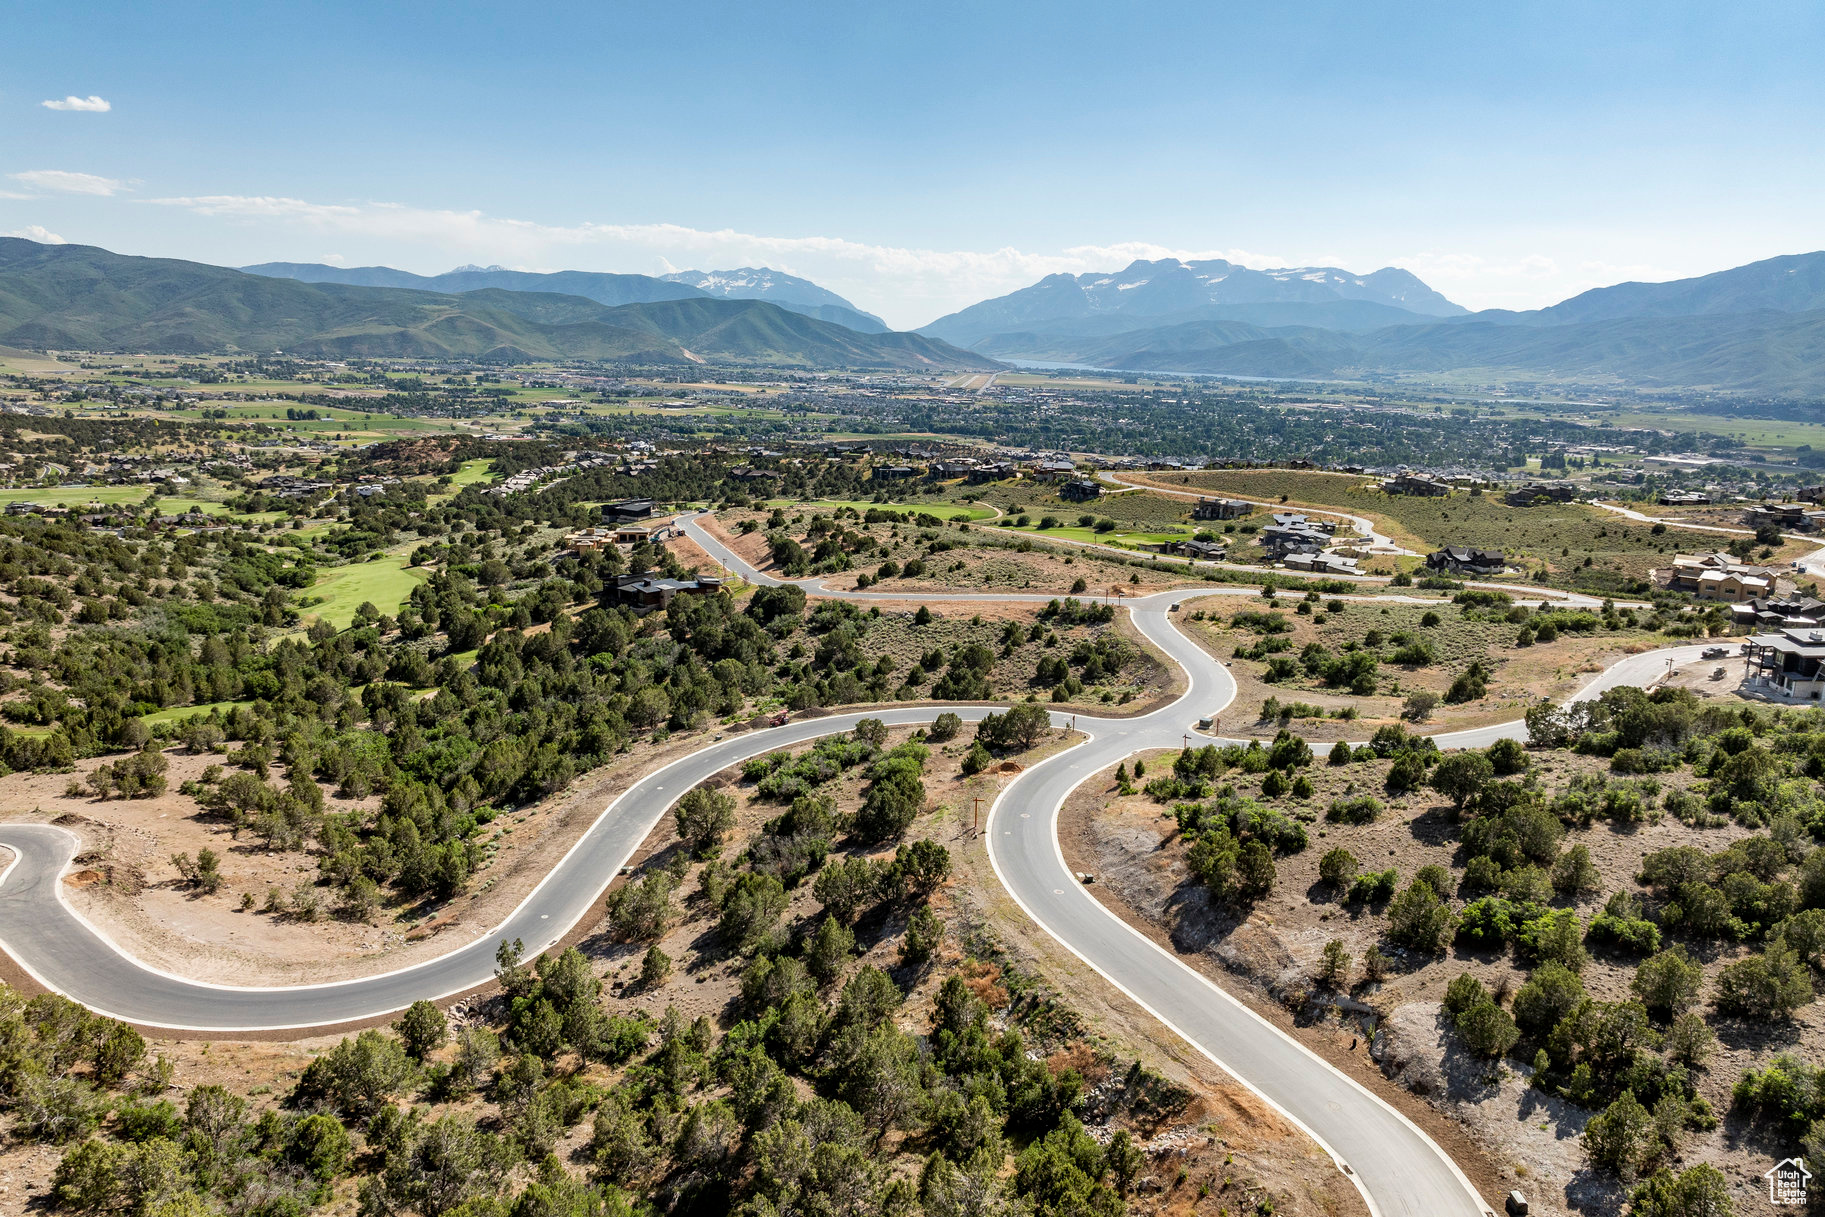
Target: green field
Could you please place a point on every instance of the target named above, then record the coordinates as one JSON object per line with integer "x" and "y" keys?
{"x": 179, "y": 713}
{"x": 474, "y": 473}
{"x": 385, "y": 583}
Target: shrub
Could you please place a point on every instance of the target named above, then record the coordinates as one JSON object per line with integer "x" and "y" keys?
{"x": 1507, "y": 756}
{"x": 703, "y": 816}
{"x": 1362, "y": 809}
{"x": 1374, "y": 886}
{"x": 1667, "y": 984}
{"x": 1551, "y": 993}
{"x": 1557, "y": 936}
{"x": 1419, "y": 920}
{"x": 1487, "y": 1030}
{"x": 1338, "y": 867}
{"x": 1768, "y": 986}
{"x": 944, "y": 727}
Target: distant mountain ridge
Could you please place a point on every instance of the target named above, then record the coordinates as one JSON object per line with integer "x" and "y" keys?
{"x": 1792, "y": 283}
{"x": 790, "y": 293}
{"x": 1757, "y": 328}
{"x": 1145, "y": 292}
{"x": 787, "y": 291}
{"x": 79, "y": 297}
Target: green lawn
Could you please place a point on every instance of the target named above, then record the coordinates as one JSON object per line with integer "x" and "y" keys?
{"x": 385, "y": 583}
{"x": 474, "y": 472}
{"x": 179, "y": 713}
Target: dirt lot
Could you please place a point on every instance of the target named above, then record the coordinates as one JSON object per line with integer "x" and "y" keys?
{"x": 1505, "y": 1134}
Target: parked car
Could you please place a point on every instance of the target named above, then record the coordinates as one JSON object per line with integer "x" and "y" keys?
{"x": 1716, "y": 653}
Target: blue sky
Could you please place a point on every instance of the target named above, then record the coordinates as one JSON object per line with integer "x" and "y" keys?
{"x": 919, "y": 157}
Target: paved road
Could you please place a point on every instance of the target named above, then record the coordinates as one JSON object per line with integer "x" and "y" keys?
{"x": 1395, "y": 1166}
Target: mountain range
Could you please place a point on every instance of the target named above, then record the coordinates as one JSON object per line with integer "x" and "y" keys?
{"x": 1758, "y": 328}
{"x": 787, "y": 291}
{"x": 82, "y": 297}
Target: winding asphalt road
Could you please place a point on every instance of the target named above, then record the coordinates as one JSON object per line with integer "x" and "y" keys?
{"x": 1396, "y": 1167}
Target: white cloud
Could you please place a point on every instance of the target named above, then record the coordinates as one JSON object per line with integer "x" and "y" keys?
{"x": 65, "y": 182}
{"x": 36, "y": 232}
{"x": 87, "y": 105}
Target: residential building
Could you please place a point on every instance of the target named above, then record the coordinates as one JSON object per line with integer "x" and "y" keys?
{"x": 644, "y": 593}
{"x": 1683, "y": 498}
{"x": 1221, "y": 509}
{"x": 627, "y": 510}
{"x": 1421, "y": 484}
{"x": 1322, "y": 563}
{"x": 1795, "y": 516}
{"x": 1082, "y": 490}
{"x": 1717, "y": 577}
{"x": 1463, "y": 560}
{"x": 1770, "y": 613}
{"x": 1541, "y": 492}
{"x": 1786, "y": 663}
{"x": 1203, "y": 551}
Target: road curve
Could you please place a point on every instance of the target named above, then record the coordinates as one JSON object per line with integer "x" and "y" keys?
{"x": 1397, "y": 1168}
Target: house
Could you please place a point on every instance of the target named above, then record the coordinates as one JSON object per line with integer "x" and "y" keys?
{"x": 1541, "y": 492}
{"x": 644, "y": 593}
{"x": 1295, "y": 534}
{"x": 1783, "y": 515}
{"x": 893, "y": 473}
{"x": 1198, "y": 551}
{"x": 1717, "y": 576}
{"x": 1463, "y": 560}
{"x": 1422, "y": 484}
{"x": 1221, "y": 509}
{"x": 1081, "y": 490}
{"x": 943, "y": 470}
{"x": 1683, "y": 498}
{"x": 1322, "y": 563}
{"x": 22, "y": 508}
{"x": 633, "y": 534}
{"x": 627, "y": 510}
{"x": 994, "y": 471}
{"x": 1053, "y": 470}
{"x": 586, "y": 539}
{"x": 1786, "y": 663}
{"x": 1771, "y": 613}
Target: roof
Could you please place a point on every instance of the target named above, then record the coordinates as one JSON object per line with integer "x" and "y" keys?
{"x": 1809, "y": 644}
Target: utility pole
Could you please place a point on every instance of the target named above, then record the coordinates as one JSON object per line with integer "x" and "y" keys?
{"x": 976, "y": 817}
